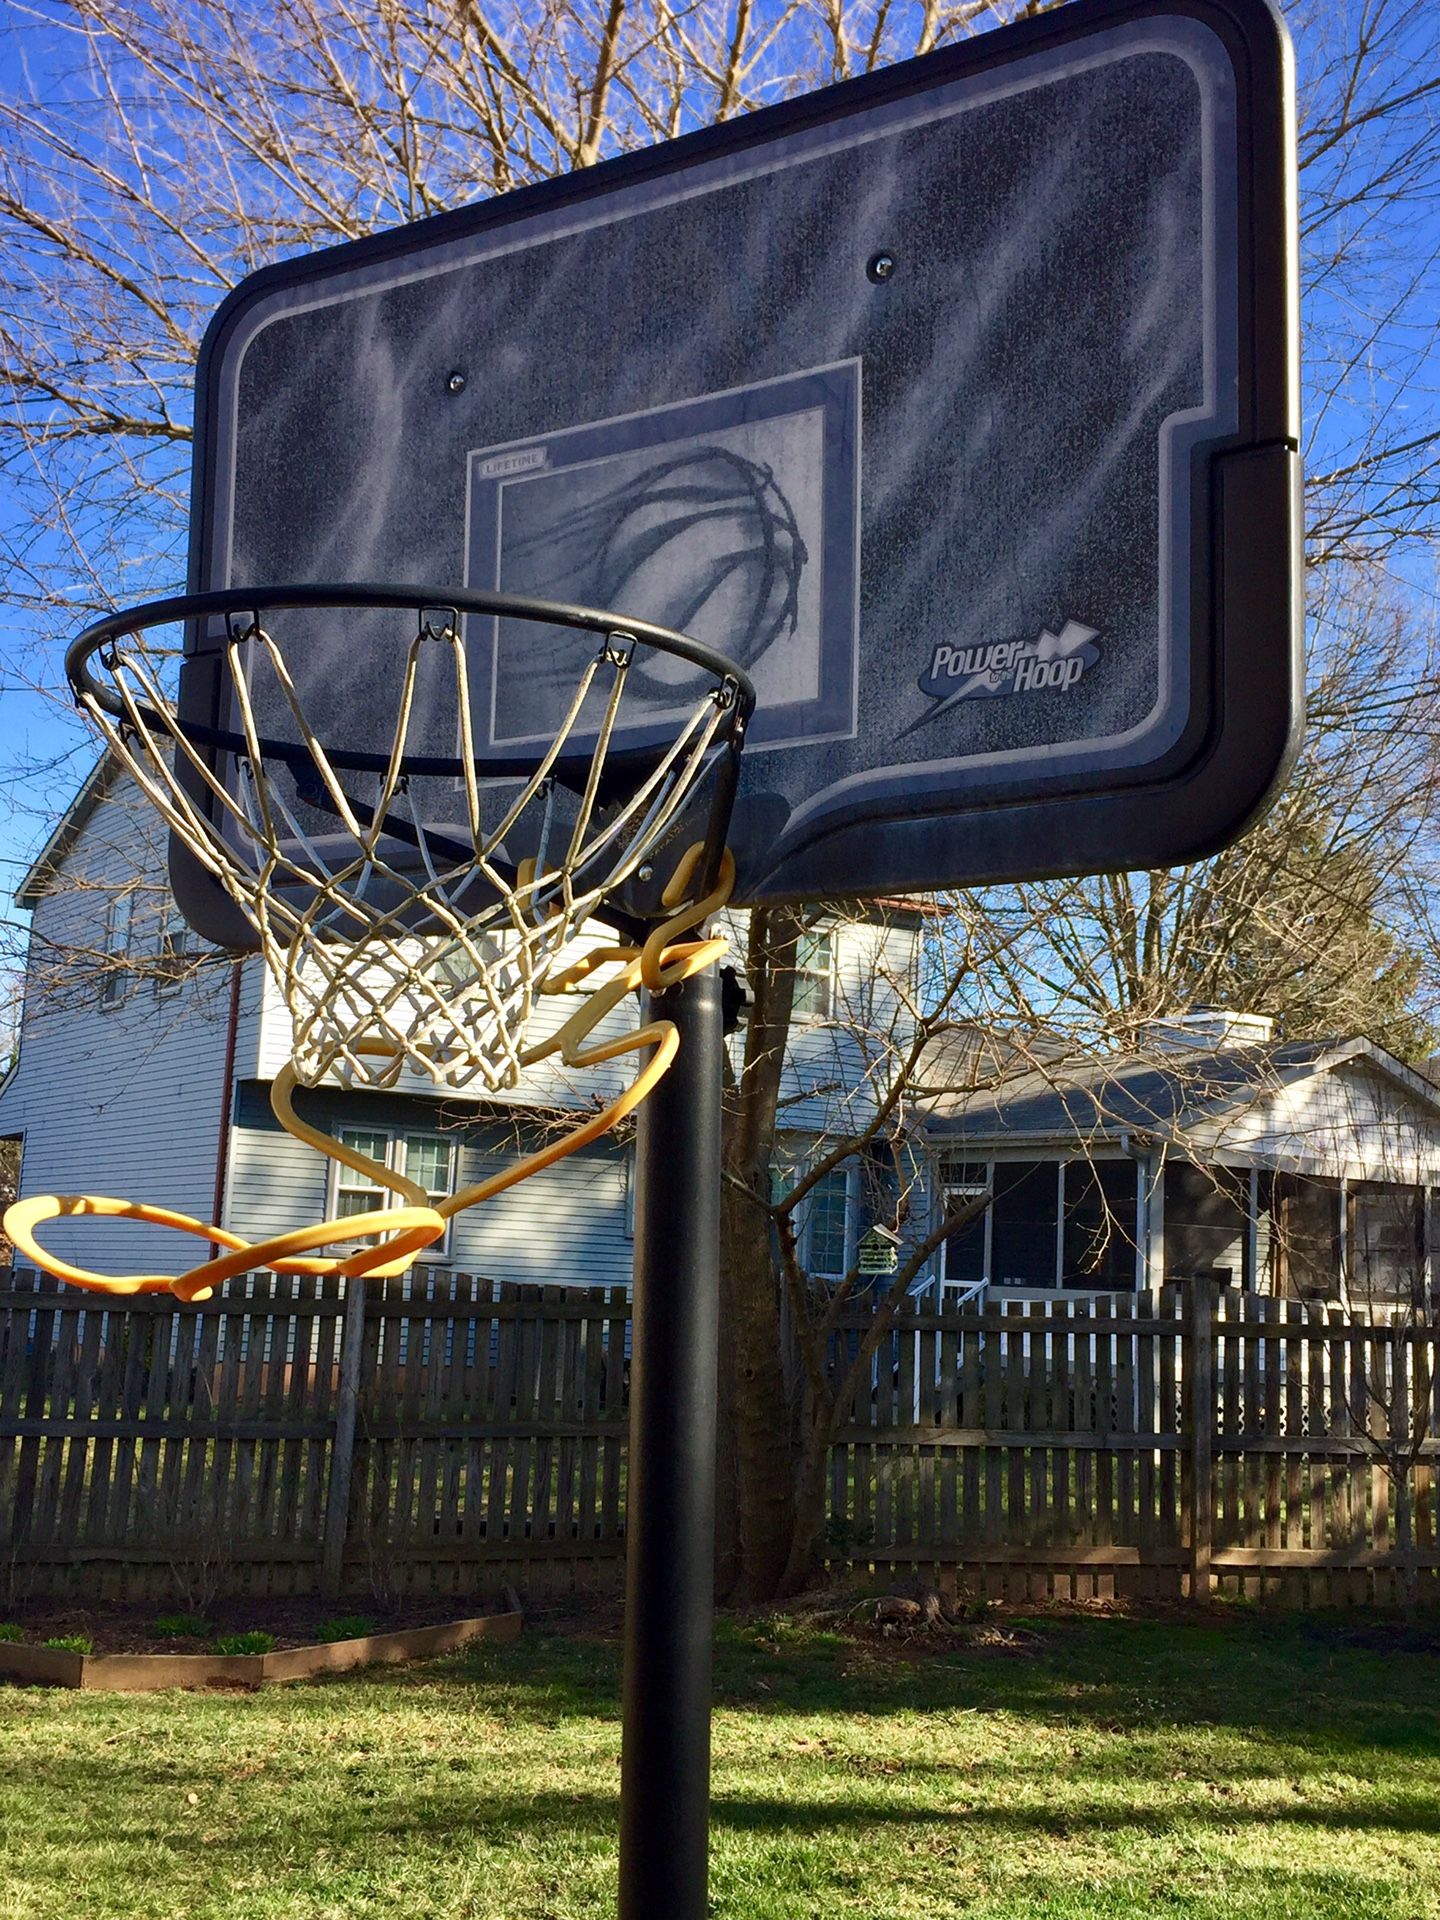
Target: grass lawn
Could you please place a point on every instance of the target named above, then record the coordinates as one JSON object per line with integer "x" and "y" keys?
{"x": 1245, "y": 1767}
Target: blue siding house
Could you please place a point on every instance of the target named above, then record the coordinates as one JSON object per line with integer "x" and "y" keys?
{"x": 144, "y": 1065}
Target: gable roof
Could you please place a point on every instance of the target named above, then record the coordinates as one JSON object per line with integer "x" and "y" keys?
{"x": 1096, "y": 1098}
{"x": 51, "y": 857}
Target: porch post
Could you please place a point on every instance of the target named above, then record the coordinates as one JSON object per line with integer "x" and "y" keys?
{"x": 1059, "y": 1224}
{"x": 1252, "y": 1235}
{"x": 1343, "y": 1240}
{"x": 1144, "y": 1174}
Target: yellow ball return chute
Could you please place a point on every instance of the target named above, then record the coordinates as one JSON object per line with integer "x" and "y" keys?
{"x": 399, "y": 947}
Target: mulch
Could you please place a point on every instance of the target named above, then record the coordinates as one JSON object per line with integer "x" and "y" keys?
{"x": 113, "y": 1627}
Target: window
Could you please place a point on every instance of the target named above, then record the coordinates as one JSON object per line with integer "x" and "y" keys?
{"x": 426, "y": 1158}
{"x": 114, "y": 962}
{"x": 828, "y": 1226}
{"x": 814, "y": 966}
{"x": 172, "y": 959}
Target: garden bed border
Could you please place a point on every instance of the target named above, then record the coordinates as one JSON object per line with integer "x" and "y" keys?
{"x": 149, "y": 1672}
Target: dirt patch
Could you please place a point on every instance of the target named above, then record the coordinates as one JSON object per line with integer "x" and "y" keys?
{"x": 924, "y": 1622}
{"x": 1389, "y": 1635}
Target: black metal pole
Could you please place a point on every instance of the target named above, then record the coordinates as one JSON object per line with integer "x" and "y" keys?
{"x": 670, "y": 1497}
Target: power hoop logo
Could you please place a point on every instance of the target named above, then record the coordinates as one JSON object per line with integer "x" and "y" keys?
{"x": 1052, "y": 662}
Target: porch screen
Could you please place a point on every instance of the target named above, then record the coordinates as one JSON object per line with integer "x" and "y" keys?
{"x": 1206, "y": 1222}
{"x": 1387, "y": 1257}
{"x": 1100, "y": 1224}
{"x": 962, "y": 1254}
{"x": 1024, "y": 1211}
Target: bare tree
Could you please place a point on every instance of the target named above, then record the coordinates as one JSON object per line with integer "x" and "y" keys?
{"x": 878, "y": 1024}
{"x": 9, "y": 1188}
{"x": 153, "y": 152}
{"x": 1321, "y": 916}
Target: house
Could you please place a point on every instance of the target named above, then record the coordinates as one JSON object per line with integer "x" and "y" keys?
{"x": 1303, "y": 1169}
{"x": 1306, "y": 1170}
{"x": 144, "y": 1066}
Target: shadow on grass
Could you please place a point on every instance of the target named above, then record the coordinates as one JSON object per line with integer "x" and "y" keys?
{"x": 1254, "y": 1676}
{"x": 356, "y": 1823}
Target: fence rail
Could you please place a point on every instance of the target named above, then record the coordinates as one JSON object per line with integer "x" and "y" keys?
{"x": 447, "y": 1434}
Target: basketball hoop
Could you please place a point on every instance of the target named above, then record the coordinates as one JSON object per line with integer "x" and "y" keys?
{"x": 402, "y": 944}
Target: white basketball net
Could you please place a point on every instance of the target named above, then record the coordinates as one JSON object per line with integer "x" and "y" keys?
{"x": 334, "y": 907}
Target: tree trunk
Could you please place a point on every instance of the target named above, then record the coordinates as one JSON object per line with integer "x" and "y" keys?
{"x": 756, "y": 1461}
{"x": 755, "y": 1418}
{"x": 1402, "y": 1479}
{"x": 808, "y": 1521}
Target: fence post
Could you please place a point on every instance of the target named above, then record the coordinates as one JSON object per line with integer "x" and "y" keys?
{"x": 1198, "y": 1357}
{"x": 342, "y": 1452}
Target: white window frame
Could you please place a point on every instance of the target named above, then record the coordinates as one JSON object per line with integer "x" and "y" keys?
{"x": 172, "y": 952}
{"x": 851, "y": 1176}
{"x": 115, "y": 976}
{"x": 822, "y": 975}
{"x": 343, "y": 1180}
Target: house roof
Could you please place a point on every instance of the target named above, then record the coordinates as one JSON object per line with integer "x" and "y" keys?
{"x": 1073, "y": 1098}
{"x": 93, "y": 789}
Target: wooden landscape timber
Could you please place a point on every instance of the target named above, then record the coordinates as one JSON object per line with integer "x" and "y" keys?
{"x": 151, "y": 1672}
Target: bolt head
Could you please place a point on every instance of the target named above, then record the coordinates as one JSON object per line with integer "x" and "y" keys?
{"x": 880, "y": 266}
{"x": 455, "y": 382}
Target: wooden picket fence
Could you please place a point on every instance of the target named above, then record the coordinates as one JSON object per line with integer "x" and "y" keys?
{"x": 440, "y": 1433}
{"x": 1182, "y": 1444}
{"x": 447, "y": 1435}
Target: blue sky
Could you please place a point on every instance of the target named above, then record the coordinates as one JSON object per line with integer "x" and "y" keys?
{"x": 44, "y": 753}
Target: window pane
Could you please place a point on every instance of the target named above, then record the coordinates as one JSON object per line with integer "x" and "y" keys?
{"x": 1305, "y": 1236}
{"x": 962, "y": 1253}
{"x": 113, "y": 975}
{"x": 812, "y": 975}
{"x": 117, "y": 923}
{"x": 171, "y": 951}
{"x": 427, "y": 1162}
{"x": 828, "y": 1209}
{"x": 374, "y": 1147}
{"x": 1206, "y": 1222}
{"x": 1388, "y": 1256}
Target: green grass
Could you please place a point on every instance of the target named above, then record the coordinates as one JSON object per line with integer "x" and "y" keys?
{"x": 1247, "y": 1769}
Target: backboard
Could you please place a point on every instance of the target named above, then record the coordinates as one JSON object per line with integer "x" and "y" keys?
{"x": 956, "y": 403}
